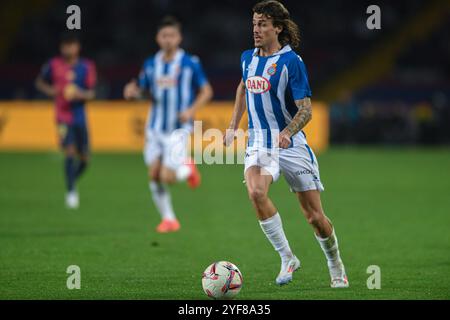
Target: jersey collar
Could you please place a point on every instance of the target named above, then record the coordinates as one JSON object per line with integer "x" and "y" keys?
{"x": 176, "y": 58}
{"x": 285, "y": 49}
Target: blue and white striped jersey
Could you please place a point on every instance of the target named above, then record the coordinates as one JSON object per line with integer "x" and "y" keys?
{"x": 173, "y": 86}
{"x": 272, "y": 85}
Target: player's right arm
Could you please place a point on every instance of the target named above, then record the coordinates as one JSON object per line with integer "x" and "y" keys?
{"x": 43, "y": 81}
{"x": 132, "y": 90}
{"x": 238, "y": 112}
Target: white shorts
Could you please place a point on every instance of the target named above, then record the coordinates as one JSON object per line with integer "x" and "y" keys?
{"x": 298, "y": 165}
{"x": 171, "y": 148}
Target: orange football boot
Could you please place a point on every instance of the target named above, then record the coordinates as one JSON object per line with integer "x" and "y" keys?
{"x": 168, "y": 226}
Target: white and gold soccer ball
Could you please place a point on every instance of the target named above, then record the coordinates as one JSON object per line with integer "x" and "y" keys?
{"x": 222, "y": 280}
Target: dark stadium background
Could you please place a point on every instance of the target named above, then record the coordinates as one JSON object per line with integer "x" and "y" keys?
{"x": 385, "y": 170}
{"x": 406, "y": 103}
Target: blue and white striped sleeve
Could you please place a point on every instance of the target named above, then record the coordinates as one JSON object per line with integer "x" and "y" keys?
{"x": 198, "y": 75}
{"x": 298, "y": 78}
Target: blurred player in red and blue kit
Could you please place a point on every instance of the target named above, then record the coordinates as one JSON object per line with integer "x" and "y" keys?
{"x": 70, "y": 81}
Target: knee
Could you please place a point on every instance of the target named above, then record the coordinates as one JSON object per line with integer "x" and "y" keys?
{"x": 154, "y": 174}
{"x": 167, "y": 177}
{"x": 163, "y": 178}
{"x": 70, "y": 151}
{"x": 257, "y": 194}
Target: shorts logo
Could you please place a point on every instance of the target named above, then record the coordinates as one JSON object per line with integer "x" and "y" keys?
{"x": 305, "y": 171}
{"x": 257, "y": 84}
{"x": 272, "y": 69}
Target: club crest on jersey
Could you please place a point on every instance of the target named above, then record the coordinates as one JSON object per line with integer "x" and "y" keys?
{"x": 272, "y": 69}
{"x": 257, "y": 84}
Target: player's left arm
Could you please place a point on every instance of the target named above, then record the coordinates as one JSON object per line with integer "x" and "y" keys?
{"x": 298, "y": 122}
{"x": 298, "y": 85}
{"x": 204, "y": 94}
{"x": 84, "y": 94}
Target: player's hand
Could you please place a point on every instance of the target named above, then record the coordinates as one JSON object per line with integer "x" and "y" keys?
{"x": 80, "y": 95}
{"x": 284, "y": 140}
{"x": 186, "y": 115}
{"x": 72, "y": 92}
{"x": 229, "y": 137}
{"x": 131, "y": 90}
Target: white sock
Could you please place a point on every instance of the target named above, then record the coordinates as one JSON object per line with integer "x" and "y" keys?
{"x": 273, "y": 229}
{"x": 162, "y": 200}
{"x": 183, "y": 172}
{"x": 330, "y": 248}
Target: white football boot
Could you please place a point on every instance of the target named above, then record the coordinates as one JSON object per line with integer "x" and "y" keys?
{"x": 285, "y": 275}
{"x": 338, "y": 276}
{"x": 72, "y": 200}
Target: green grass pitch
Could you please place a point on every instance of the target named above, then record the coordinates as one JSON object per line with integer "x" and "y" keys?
{"x": 390, "y": 207}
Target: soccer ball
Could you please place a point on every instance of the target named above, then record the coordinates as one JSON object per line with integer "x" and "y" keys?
{"x": 222, "y": 280}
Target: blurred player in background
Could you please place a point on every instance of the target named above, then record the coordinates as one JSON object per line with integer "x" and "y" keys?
{"x": 178, "y": 87}
{"x": 70, "y": 80}
{"x": 275, "y": 86}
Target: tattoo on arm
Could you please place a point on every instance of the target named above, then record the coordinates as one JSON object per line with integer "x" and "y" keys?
{"x": 302, "y": 117}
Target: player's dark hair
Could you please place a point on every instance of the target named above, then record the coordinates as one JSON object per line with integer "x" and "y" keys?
{"x": 169, "y": 21}
{"x": 69, "y": 37}
{"x": 272, "y": 9}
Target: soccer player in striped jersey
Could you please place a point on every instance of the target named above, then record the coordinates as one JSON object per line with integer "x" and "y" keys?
{"x": 178, "y": 88}
{"x": 275, "y": 88}
{"x": 70, "y": 80}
